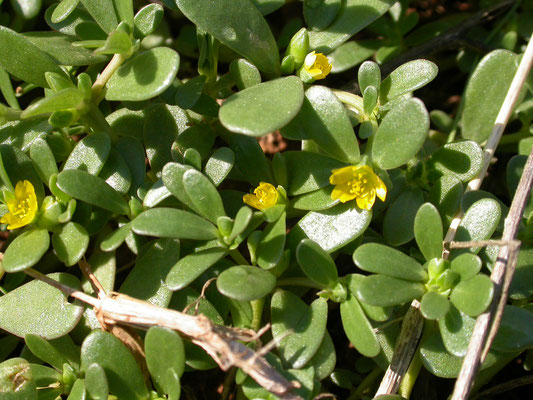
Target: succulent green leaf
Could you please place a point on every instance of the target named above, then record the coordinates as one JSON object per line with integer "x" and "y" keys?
{"x": 308, "y": 171}
{"x": 325, "y": 358}
{"x": 78, "y": 391}
{"x": 122, "y": 372}
{"x": 63, "y": 10}
{"x": 244, "y": 73}
{"x": 65, "y": 99}
{"x": 429, "y": 232}
{"x": 319, "y": 14}
{"x": 219, "y": 165}
{"x": 434, "y": 305}
{"x": 192, "y": 266}
{"x": 60, "y": 47}
{"x": 91, "y": 189}
{"x": 486, "y": 92}
{"x": 124, "y": 10}
{"x": 456, "y": 330}
{"x": 384, "y": 291}
{"x": 352, "y": 53}
{"x": 315, "y": 201}
{"x": 385, "y": 260}
{"x": 36, "y": 304}
{"x": 332, "y": 228}
{"x": 144, "y": 76}
{"x": 172, "y": 176}
{"x": 162, "y": 124}
{"x": 352, "y": 16}
{"x": 250, "y": 158}
{"x": 446, "y": 194}
{"x": 399, "y": 221}
{"x": 116, "y": 172}
{"x": 69, "y": 24}
{"x": 355, "y": 323}
{"x": 43, "y": 159}
{"x": 515, "y": 332}
{"x": 70, "y": 243}
{"x": 239, "y": 25}
{"x": 467, "y": 265}
{"x": 316, "y": 263}
{"x": 26, "y": 61}
{"x": 272, "y": 243}
{"x": 96, "y": 381}
{"x": 263, "y": 108}
{"x": 165, "y": 358}
{"x": 407, "y": 78}
{"x": 146, "y": 281}
{"x": 147, "y": 19}
{"x": 26, "y": 389}
{"x": 473, "y": 296}
{"x": 103, "y": 13}
{"x": 90, "y": 154}
{"x": 401, "y": 134}
{"x": 464, "y": 159}
{"x": 245, "y": 283}
{"x": 173, "y": 223}
{"x": 56, "y": 352}
{"x": 307, "y": 322}
{"x": 26, "y": 250}
{"x": 188, "y": 94}
{"x": 203, "y": 195}
{"x": 479, "y": 223}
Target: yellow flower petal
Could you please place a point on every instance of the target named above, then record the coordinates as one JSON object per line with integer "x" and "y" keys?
{"x": 265, "y": 196}
{"x": 359, "y": 183}
{"x": 317, "y": 65}
{"x": 22, "y": 208}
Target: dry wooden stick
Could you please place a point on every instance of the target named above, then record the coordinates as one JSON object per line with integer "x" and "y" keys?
{"x": 222, "y": 343}
{"x": 503, "y": 269}
{"x": 392, "y": 378}
{"x": 406, "y": 345}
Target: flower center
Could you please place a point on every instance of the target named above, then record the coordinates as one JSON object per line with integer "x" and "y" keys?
{"x": 23, "y": 206}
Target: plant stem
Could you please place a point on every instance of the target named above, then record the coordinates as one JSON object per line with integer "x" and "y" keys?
{"x": 408, "y": 381}
{"x": 366, "y": 383}
{"x": 257, "y": 312}
{"x": 106, "y": 74}
{"x": 238, "y": 257}
{"x": 514, "y": 137}
{"x": 300, "y": 282}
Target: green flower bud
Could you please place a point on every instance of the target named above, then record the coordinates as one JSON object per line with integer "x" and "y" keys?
{"x": 298, "y": 47}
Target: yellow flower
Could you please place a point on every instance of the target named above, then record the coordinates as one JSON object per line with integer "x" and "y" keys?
{"x": 22, "y": 207}
{"x": 317, "y": 65}
{"x": 265, "y": 196}
{"x": 359, "y": 183}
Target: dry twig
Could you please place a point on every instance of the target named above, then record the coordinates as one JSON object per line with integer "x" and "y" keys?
{"x": 222, "y": 343}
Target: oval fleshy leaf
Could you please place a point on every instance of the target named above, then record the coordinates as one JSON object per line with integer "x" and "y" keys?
{"x": 165, "y": 358}
{"x": 401, "y": 134}
{"x": 245, "y": 283}
{"x": 26, "y": 250}
{"x": 407, "y": 78}
{"x": 434, "y": 305}
{"x": 428, "y": 231}
{"x": 144, "y": 76}
{"x": 385, "y": 260}
{"x": 192, "y": 266}
{"x": 332, "y": 228}
{"x": 203, "y": 194}
{"x": 239, "y": 25}
{"x": 474, "y": 295}
{"x": 90, "y": 154}
{"x": 173, "y": 223}
{"x": 384, "y": 291}
{"x": 91, "y": 189}
{"x": 123, "y": 374}
{"x": 353, "y": 16}
{"x": 356, "y": 325}
{"x": 463, "y": 159}
{"x": 37, "y": 304}
{"x": 456, "y": 330}
{"x": 26, "y": 61}
{"x": 399, "y": 221}
{"x": 316, "y": 263}
{"x": 485, "y": 92}
{"x": 146, "y": 281}
{"x": 263, "y": 108}
{"x": 272, "y": 243}
{"x": 21, "y": 369}
{"x": 308, "y": 324}
{"x": 70, "y": 243}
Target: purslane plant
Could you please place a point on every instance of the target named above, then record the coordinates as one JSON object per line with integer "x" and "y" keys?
{"x": 132, "y": 142}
